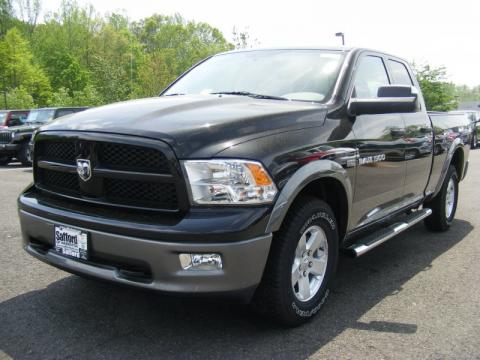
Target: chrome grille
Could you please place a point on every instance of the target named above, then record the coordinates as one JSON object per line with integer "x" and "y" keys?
{"x": 5, "y": 137}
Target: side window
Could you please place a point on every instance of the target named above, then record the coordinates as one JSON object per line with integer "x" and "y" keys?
{"x": 371, "y": 74}
{"x": 16, "y": 120}
{"x": 399, "y": 72}
{"x": 61, "y": 113}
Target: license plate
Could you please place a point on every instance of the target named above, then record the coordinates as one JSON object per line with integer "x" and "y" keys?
{"x": 71, "y": 242}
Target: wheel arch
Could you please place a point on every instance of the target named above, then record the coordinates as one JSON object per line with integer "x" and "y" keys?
{"x": 458, "y": 161}
{"x": 455, "y": 157}
{"x": 324, "y": 179}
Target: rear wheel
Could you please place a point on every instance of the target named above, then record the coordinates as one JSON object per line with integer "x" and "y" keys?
{"x": 444, "y": 205}
{"x": 301, "y": 264}
{"x": 24, "y": 155}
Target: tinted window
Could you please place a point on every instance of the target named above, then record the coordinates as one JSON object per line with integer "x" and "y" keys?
{"x": 17, "y": 119}
{"x": 399, "y": 73}
{"x": 61, "y": 113}
{"x": 371, "y": 75}
{"x": 40, "y": 116}
{"x": 294, "y": 74}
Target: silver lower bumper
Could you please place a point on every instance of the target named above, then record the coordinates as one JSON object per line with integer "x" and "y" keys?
{"x": 243, "y": 261}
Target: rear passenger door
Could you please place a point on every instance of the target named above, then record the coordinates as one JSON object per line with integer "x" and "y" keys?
{"x": 418, "y": 136}
{"x": 381, "y": 166}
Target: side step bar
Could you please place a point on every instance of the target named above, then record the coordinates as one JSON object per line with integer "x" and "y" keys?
{"x": 379, "y": 237}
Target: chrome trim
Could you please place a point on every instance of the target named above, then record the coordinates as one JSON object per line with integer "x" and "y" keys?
{"x": 409, "y": 99}
{"x": 379, "y": 214}
{"x": 390, "y": 232}
{"x": 52, "y": 165}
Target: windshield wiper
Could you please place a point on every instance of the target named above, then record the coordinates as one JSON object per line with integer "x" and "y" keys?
{"x": 247, "y": 93}
{"x": 174, "y": 94}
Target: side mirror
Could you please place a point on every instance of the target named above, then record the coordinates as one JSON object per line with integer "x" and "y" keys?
{"x": 390, "y": 99}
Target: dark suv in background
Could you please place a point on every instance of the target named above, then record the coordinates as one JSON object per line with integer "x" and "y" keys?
{"x": 12, "y": 117}
{"x": 14, "y": 141}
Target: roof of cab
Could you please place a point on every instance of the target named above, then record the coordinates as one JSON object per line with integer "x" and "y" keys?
{"x": 344, "y": 49}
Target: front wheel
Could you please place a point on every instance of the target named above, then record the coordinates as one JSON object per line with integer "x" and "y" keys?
{"x": 5, "y": 160}
{"x": 444, "y": 204}
{"x": 24, "y": 155}
{"x": 301, "y": 263}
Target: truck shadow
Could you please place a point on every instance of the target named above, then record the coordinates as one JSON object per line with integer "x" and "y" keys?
{"x": 78, "y": 318}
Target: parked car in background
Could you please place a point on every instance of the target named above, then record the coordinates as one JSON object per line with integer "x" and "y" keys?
{"x": 12, "y": 117}
{"x": 474, "y": 118}
{"x": 14, "y": 141}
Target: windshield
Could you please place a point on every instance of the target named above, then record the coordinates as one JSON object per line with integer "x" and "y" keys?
{"x": 2, "y": 118}
{"x": 307, "y": 75}
{"x": 40, "y": 116}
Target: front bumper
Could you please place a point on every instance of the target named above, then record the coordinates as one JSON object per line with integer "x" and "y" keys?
{"x": 153, "y": 264}
{"x": 9, "y": 149}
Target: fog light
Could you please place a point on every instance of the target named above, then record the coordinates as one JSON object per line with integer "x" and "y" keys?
{"x": 201, "y": 261}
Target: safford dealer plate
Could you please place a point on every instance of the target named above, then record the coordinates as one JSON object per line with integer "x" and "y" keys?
{"x": 71, "y": 242}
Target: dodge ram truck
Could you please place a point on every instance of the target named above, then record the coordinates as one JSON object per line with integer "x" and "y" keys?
{"x": 245, "y": 178}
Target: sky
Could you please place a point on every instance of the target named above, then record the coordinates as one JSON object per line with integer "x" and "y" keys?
{"x": 442, "y": 33}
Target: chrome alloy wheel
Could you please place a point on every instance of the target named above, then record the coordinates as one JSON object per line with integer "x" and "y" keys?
{"x": 310, "y": 263}
{"x": 450, "y": 198}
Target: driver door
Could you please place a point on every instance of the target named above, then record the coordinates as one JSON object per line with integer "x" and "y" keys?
{"x": 381, "y": 166}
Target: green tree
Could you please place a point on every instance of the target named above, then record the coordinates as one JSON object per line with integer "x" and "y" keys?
{"x": 89, "y": 96}
{"x": 69, "y": 73}
{"x": 18, "y": 69}
{"x": 153, "y": 76}
{"x": 241, "y": 39}
{"x": 6, "y": 16}
{"x": 465, "y": 93}
{"x": 19, "y": 98}
{"x": 439, "y": 94}
{"x": 74, "y": 56}
{"x": 182, "y": 43}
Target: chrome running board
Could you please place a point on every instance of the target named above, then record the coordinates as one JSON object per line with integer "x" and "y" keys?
{"x": 372, "y": 241}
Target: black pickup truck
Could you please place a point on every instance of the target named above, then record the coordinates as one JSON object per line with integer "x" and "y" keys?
{"x": 246, "y": 177}
{"x": 14, "y": 141}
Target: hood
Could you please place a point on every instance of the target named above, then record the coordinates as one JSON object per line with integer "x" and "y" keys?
{"x": 23, "y": 128}
{"x": 197, "y": 125}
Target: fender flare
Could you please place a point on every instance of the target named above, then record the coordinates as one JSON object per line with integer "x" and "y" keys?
{"x": 456, "y": 144}
{"x": 23, "y": 137}
{"x": 299, "y": 180}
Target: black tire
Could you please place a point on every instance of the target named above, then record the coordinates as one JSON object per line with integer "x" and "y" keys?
{"x": 439, "y": 221}
{"x": 275, "y": 297}
{"x": 23, "y": 154}
{"x": 5, "y": 160}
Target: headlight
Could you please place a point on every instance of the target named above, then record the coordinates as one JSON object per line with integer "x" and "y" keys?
{"x": 233, "y": 182}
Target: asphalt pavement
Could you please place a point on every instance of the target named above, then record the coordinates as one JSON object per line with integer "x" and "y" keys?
{"x": 415, "y": 297}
